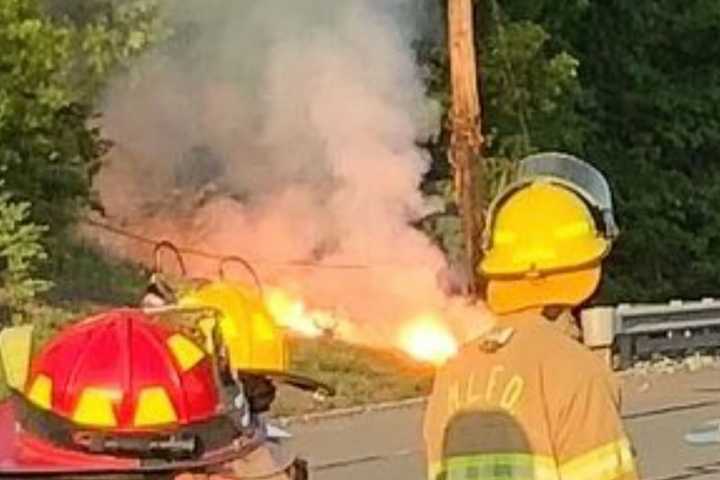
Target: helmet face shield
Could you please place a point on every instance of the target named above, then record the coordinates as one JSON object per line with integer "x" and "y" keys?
{"x": 569, "y": 172}
{"x": 577, "y": 175}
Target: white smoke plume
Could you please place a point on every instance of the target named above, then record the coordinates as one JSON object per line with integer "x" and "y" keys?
{"x": 285, "y": 130}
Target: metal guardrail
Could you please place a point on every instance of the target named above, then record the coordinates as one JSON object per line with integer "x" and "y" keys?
{"x": 641, "y": 330}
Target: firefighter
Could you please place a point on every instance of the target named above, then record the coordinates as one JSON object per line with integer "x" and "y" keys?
{"x": 525, "y": 400}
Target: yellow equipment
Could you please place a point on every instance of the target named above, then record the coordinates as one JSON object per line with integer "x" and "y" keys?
{"x": 253, "y": 340}
{"x": 543, "y": 228}
{"x": 15, "y": 352}
{"x": 547, "y": 234}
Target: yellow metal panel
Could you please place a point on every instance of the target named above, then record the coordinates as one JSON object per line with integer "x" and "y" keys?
{"x": 41, "y": 392}
{"x": 185, "y": 351}
{"x": 154, "y": 408}
{"x": 95, "y": 407}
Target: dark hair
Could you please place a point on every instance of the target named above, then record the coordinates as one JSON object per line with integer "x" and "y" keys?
{"x": 552, "y": 312}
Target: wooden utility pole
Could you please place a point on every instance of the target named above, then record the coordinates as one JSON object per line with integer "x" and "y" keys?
{"x": 466, "y": 140}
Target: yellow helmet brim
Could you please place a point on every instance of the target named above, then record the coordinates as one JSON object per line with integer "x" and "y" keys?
{"x": 567, "y": 288}
{"x": 510, "y": 261}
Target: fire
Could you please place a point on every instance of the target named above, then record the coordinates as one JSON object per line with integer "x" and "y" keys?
{"x": 427, "y": 339}
{"x": 292, "y": 314}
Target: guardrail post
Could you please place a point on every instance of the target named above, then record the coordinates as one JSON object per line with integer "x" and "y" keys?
{"x": 625, "y": 345}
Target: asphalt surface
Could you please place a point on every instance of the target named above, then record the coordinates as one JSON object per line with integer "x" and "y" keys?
{"x": 658, "y": 410}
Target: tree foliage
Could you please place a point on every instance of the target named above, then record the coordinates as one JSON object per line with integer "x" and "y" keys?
{"x": 56, "y": 57}
{"x": 528, "y": 89}
{"x": 51, "y": 70}
{"x": 644, "y": 107}
{"x": 650, "y": 74}
{"x": 20, "y": 251}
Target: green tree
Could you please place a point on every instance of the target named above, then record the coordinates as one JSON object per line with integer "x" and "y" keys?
{"x": 21, "y": 252}
{"x": 644, "y": 109}
{"x": 650, "y": 74}
{"x": 51, "y": 70}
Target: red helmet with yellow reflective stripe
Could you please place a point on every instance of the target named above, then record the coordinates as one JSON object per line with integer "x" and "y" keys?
{"x": 124, "y": 372}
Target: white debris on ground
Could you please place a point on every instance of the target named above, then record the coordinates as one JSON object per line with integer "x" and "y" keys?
{"x": 668, "y": 366}
{"x": 642, "y": 376}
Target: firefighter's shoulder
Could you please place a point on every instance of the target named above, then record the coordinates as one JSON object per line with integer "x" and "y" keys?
{"x": 561, "y": 353}
{"x": 537, "y": 346}
{"x": 567, "y": 367}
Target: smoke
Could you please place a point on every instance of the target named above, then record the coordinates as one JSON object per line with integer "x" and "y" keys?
{"x": 283, "y": 131}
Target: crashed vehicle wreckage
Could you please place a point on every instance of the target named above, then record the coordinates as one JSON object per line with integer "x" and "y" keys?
{"x": 178, "y": 385}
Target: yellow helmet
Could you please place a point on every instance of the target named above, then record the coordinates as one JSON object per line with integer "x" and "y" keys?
{"x": 253, "y": 340}
{"x": 547, "y": 234}
{"x": 541, "y": 228}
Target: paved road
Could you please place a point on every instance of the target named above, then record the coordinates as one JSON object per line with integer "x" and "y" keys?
{"x": 385, "y": 445}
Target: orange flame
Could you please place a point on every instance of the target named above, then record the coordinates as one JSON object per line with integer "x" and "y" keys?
{"x": 427, "y": 339}
{"x": 291, "y": 313}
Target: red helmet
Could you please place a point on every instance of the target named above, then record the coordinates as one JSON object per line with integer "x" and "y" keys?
{"x": 124, "y": 372}
{"x": 122, "y": 393}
